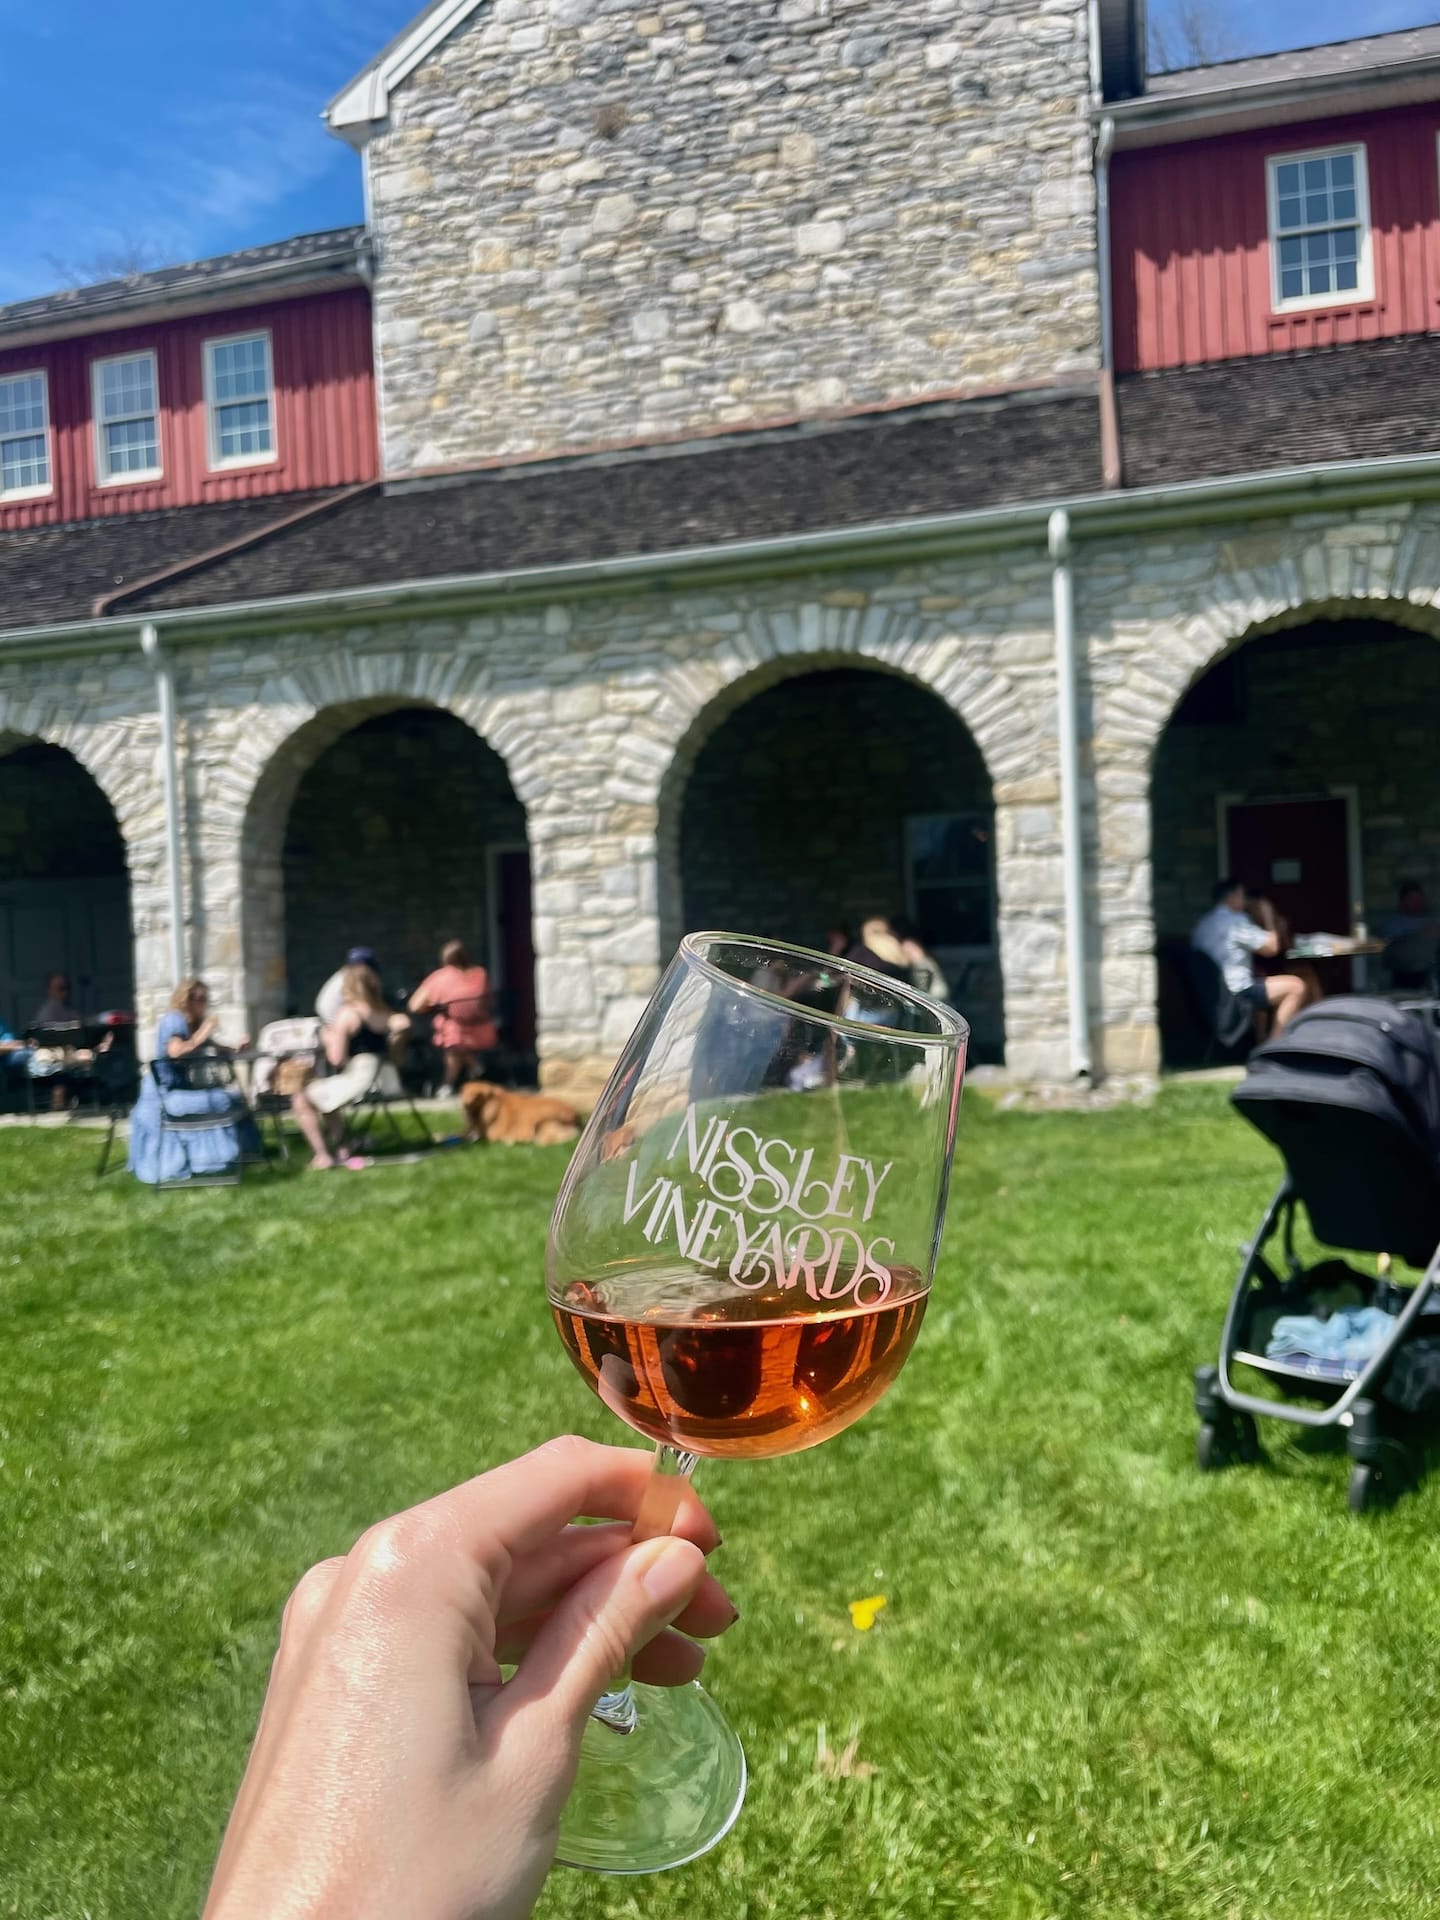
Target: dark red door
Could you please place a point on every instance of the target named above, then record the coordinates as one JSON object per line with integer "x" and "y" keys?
{"x": 517, "y": 954}
{"x": 1296, "y": 853}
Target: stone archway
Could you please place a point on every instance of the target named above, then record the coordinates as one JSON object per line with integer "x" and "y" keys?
{"x": 818, "y": 792}
{"x": 391, "y": 824}
{"x": 1301, "y": 759}
{"x": 64, "y": 883}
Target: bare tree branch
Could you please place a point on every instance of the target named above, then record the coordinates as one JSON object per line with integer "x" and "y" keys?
{"x": 1192, "y": 33}
{"x": 128, "y": 256}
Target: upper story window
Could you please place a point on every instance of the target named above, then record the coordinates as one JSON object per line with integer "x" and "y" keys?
{"x": 24, "y": 435}
{"x": 239, "y": 400}
{"x": 1319, "y": 228}
{"x": 127, "y": 418}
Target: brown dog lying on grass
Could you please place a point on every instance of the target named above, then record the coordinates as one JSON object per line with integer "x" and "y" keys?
{"x": 516, "y": 1119}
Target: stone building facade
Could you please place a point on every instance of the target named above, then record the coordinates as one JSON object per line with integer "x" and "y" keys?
{"x": 600, "y": 709}
{"x": 598, "y": 222}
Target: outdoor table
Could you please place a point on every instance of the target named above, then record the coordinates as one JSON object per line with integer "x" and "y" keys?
{"x": 1327, "y": 952}
{"x": 1324, "y": 946}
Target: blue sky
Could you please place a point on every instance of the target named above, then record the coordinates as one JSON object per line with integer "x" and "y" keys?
{"x": 172, "y": 129}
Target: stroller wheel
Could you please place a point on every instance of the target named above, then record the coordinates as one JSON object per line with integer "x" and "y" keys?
{"x": 1247, "y": 1439}
{"x": 1211, "y": 1452}
{"x": 1365, "y": 1485}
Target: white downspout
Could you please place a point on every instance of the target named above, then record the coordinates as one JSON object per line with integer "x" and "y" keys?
{"x": 1071, "y": 843}
{"x": 170, "y": 777}
{"x": 1104, "y": 147}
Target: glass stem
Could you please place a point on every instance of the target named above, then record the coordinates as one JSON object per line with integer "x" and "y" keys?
{"x": 659, "y": 1504}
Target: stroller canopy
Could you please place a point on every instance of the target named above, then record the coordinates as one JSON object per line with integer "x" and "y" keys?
{"x": 1350, "y": 1094}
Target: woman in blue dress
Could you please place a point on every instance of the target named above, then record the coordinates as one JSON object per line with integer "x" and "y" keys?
{"x": 187, "y": 1029}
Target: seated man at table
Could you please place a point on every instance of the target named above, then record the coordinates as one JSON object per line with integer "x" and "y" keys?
{"x": 1412, "y": 941}
{"x": 1235, "y": 938}
{"x": 55, "y": 1009}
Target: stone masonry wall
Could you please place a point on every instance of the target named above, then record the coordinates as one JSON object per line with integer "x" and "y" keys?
{"x": 599, "y": 221}
{"x": 385, "y": 846}
{"x": 794, "y": 814}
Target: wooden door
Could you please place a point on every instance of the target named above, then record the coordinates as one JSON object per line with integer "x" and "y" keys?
{"x": 515, "y": 953}
{"x": 1297, "y": 854}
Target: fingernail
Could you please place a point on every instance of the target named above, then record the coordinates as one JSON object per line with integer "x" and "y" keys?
{"x": 671, "y": 1574}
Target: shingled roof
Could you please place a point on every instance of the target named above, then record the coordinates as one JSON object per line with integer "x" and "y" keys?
{"x": 1281, "y": 410}
{"x": 1362, "y": 59}
{"x": 1234, "y": 418}
{"x": 339, "y": 252}
{"x": 54, "y": 573}
{"x": 938, "y": 459}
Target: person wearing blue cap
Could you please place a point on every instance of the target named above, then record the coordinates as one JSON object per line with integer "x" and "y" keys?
{"x": 331, "y": 996}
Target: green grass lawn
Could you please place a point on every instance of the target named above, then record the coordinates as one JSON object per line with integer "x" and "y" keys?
{"x": 1102, "y": 1684}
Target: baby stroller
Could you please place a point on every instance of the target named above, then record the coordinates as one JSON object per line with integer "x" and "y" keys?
{"x": 1350, "y": 1094}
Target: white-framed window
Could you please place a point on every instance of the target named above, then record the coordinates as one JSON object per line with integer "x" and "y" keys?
{"x": 126, "y": 397}
{"x": 24, "y": 435}
{"x": 239, "y": 400}
{"x": 950, "y": 878}
{"x": 1319, "y": 228}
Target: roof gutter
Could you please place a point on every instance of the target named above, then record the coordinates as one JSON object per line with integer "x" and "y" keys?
{"x": 1111, "y": 464}
{"x": 1161, "y": 110}
{"x": 1092, "y": 515}
{"x": 353, "y": 259}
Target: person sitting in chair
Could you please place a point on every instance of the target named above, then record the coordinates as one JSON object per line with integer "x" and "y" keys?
{"x": 357, "y": 1041}
{"x": 457, "y": 993}
{"x": 1234, "y": 938}
{"x": 55, "y": 1009}
{"x": 331, "y": 996}
{"x": 187, "y": 1029}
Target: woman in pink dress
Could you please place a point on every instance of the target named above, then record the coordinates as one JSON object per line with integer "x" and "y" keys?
{"x": 457, "y": 994}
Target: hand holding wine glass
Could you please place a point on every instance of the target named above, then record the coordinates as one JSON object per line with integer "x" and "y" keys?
{"x": 739, "y": 1263}
{"x": 393, "y": 1773}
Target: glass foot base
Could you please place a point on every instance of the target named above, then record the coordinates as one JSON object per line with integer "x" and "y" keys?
{"x": 659, "y": 1796}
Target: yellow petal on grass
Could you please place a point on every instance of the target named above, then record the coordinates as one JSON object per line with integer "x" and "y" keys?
{"x": 863, "y": 1612}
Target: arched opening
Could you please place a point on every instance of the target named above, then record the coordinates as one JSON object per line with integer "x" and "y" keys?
{"x": 1302, "y": 761}
{"x": 64, "y": 885}
{"x": 393, "y": 827}
{"x": 838, "y": 793}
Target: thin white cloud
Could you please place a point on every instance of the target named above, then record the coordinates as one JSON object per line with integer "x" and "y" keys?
{"x": 202, "y": 172}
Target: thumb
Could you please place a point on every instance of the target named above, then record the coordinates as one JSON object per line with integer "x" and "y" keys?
{"x": 590, "y": 1639}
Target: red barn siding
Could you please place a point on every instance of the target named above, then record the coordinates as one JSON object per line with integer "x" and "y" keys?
{"x": 325, "y": 431}
{"x": 1191, "y": 246}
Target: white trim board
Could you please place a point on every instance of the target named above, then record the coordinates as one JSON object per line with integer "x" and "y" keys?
{"x": 361, "y": 105}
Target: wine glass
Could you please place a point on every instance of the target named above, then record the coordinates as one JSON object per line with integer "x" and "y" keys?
{"x": 738, "y": 1264}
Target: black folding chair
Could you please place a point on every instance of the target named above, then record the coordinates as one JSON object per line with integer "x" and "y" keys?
{"x": 195, "y": 1072}
{"x": 386, "y": 1101}
{"x": 267, "y": 1104}
{"x": 1225, "y": 1021}
{"x": 117, "y": 1086}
